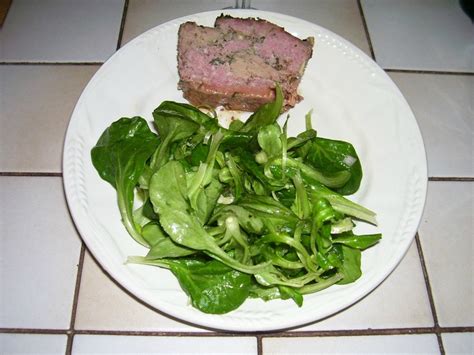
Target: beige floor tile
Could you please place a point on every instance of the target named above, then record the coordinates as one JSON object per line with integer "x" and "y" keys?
{"x": 36, "y": 104}
{"x": 458, "y": 343}
{"x": 378, "y": 344}
{"x": 446, "y": 237}
{"x": 39, "y": 253}
{"x": 443, "y": 107}
{"x": 100, "y": 298}
{"x": 61, "y": 30}
{"x": 32, "y": 344}
{"x": 420, "y": 34}
{"x": 87, "y": 344}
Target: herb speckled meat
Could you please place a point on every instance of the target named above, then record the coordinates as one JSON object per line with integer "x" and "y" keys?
{"x": 237, "y": 63}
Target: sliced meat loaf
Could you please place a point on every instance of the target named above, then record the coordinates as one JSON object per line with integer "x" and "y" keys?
{"x": 237, "y": 62}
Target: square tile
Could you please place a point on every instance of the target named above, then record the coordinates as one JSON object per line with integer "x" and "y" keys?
{"x": 100, "y": 297}
{"x": 416, "y": 34}
{"x": 376, "y": 344}
{"x": 86, "y": 344}
{"x": 443, "y": 107}
{"x": 37, "y": 102}
{"x": 39, "y": 253}
{"x": 32, "y": 344}
{"x": 145, "y": 14}
{"x": 339, "y": 16}
{"x": 446, "y": 238}
{"x": 458, "y": 343}
{"x": 386, "y": 306}
{"x": 61, "y": 30}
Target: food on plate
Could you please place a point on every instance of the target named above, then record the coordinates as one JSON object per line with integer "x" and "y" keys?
{"x": 239, "y": 212}
{"x": 237, "y": 62}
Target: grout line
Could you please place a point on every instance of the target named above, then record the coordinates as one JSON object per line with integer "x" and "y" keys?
{"x": 366, "y": 29}
{"x": 259, "y": 335}
{"x": 50, "y": 63}
{"x": 33, "y": 331}
{"x": 122, "y": 24}
{"x": 286, "y": 334}
{"x": 451, "y": 178}
{"x": 430, "y": 294}
{"x": 77, "y": 287}
{"x": 30, "y": 173}
{"x": 259, "y": 345}
{"x": 352, "y": 332}
{"x": 439, "y": 72}
{"x": 162, "y": 333}
{"x": 469, "y": 329}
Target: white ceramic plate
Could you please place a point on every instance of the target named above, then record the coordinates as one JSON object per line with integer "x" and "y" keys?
{"x": 353, "y": 100}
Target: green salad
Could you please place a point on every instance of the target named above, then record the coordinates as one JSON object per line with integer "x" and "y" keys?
{"x": 237, "y": 212}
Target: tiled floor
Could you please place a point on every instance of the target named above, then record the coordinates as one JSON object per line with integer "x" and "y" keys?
{"x": 37, "y": 101}
{"x": 376, "y": 344}
{"x": 54, "y": 298}
{"x": 414, "y": 35}
{"x": 443, "y": 107}
{"x": 55, "y": 31}
{"x": 87, "y": 344}
{"x": 101, "y": 312}
{"x": 446, "y": 239}
{"x": 39, "y": 254}
{"x": 32, "y": 343}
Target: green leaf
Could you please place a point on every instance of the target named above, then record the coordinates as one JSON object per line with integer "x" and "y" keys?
{"x": 273, "y": 214}
{"x": 236, "y": 175}
{"x": 153, "y": 233}
{"x": 289, "y": 292}
{"x": 333, "y": 156}
{"x": 183, "y": 227}
{"x": 202, "y": 178}
{"x": 248, "y": 221}
{"x": 171, "y": 194}
{"x": 236, "y": 125}
{"x": 119, "y": 157}
{"x": 311, "y": 176}
{"x": 239, "y": 212}
{"x": 340, "y": 203}
{"x": 301, "y": 206}
{"x": 266, "y": 114}
{"x": 301, "y": 139}
{"x": 357, "y": 241}
{"x": 269, "y": 140}
{"x": 235, "y": 139}
{"x": 183, "y": 121}
{"x": 213, "y": 286}
{"x": 175, "y": 122}
{"x": 199, "y": 154}
{"x": 162, "y": 246}
{"x": 148, "y": 211}
{"x": 248, "y": 164}
{"x": 350, "y": 269}
{"x": 189, "y": 112}
{"x": 264, "y": 293}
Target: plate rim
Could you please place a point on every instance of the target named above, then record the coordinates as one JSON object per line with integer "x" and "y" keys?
{"x": 143, "y": 297}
